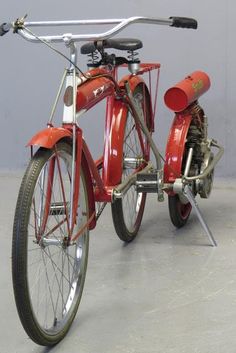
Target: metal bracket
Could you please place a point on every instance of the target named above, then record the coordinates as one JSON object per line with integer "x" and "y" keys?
{"x": 19, "y": 24}
{"x": 189, "y": 195}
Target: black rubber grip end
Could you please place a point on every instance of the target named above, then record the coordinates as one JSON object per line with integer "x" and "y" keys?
{"x": 4, "y": 28}
{"x": 184, "y": 22}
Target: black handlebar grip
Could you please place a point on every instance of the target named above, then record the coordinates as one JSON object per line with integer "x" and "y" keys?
{"x": 4, "y": 28}
{"x": 184, "y": 22}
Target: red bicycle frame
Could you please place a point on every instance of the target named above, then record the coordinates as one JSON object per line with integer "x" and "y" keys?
{"x": 89, "y": 93}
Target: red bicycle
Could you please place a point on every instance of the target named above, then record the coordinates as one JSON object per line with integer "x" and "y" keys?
{"x": 64, "y": 190}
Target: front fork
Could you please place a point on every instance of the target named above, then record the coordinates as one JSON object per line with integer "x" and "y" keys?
{"x": 151, "y": 179}
{"x": 69, "y": 209}
{"x": 75, "y": 175}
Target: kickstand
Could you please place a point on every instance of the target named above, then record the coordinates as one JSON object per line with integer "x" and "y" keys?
{"x": 188, "y": 193}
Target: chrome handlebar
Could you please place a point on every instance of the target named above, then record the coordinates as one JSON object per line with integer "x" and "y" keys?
{"x": 21, "y": 26}
{"x": 120, "y": 24}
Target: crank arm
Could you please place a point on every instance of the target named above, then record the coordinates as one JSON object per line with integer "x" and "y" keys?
{"x": 122, "y": 188}
{"x": 148, "y": 180}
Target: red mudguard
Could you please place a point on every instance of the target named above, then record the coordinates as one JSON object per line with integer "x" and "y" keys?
{"x": 113, "y": 159}
{"x": 47, "y": 138}
{"x": 175, "y": 147}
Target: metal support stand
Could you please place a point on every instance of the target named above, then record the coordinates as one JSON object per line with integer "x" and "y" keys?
{"x": 189, "y": 195}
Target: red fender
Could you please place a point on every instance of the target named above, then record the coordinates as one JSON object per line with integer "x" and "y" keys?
{"x": 47, "y": 138}
{"x": 133, "y": 81}
{"x": 175, "y": 147}
{"x": 113, "y": 159}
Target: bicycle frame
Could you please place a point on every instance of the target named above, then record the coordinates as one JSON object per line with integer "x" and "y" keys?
{"x": 89, "y": 93}
{"x": 82, "y": 93}
{"x": 64, "y": 190}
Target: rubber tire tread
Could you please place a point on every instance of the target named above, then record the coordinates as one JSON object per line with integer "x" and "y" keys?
{"x": 175, "y": 216}
{"x": 116, "y": 207}
{"x": 119, "y": 223}
{"x": 19, "y": 263}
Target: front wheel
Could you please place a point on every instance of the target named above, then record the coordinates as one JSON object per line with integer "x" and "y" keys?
{"x": 48, "y": 271}
{"x": 127, "y": 212}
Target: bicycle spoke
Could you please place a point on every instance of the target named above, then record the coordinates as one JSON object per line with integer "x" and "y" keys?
{"x": 49, "y": 285}
{"x": 63, "y": 192}
{"x": 56, "y": 267}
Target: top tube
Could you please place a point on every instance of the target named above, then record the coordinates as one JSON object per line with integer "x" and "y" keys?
{"x": 120, "y": 24}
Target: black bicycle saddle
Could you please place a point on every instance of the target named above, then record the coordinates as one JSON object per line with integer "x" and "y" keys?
{"x": 128, "y": 44}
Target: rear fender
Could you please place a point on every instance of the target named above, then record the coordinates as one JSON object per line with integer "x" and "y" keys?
{"x": 133, "y": 81}
{"x": 113, "y": 160}
{"x": 175, "y": 147}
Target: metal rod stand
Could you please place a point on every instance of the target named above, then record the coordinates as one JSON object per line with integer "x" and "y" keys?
{"x": 188, "y": 193}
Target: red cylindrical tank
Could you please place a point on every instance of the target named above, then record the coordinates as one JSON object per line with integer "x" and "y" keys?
{"x": 185, "y": 92}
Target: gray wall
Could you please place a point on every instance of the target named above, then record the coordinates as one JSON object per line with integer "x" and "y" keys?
{"x": 30, "y": 73}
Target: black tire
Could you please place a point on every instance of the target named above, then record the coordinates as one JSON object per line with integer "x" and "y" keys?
{"x": 178, "y": 210}
{"x": 127, "y": 212}
{"x": 48, "y": 273}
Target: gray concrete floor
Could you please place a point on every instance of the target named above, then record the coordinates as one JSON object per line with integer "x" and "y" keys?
{"x": 167, "y": 292}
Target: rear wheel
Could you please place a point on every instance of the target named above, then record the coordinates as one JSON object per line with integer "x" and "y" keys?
{"x": 179, "y": 207}
{"x": 48, "y": 270}
{"x": 127, "y": 212}
{"x": 179, "y": 211}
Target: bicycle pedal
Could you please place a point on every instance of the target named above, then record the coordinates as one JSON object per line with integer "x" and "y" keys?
{"x": 147, "y": 183}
